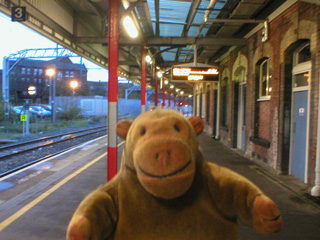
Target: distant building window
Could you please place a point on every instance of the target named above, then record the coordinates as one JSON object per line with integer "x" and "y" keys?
{"x": 71, "y": 74}
{"x": 35, "y": 80}
{"x": 40, "y": 71}
{"x": 40, "y": 80}
{"x": 23, "y": 70}
{"x": 35, "y": 71}
{"x": 67, "y": 74}
{"x": 28, "y": 79}
{"x": 59, "y": 74}
{"x": 29, "y": 71}
{"x": 264, "y": 80}
{"x": 23, "y": 79}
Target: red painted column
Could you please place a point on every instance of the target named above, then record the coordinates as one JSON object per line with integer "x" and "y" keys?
{"x": 143, "y": 79}
{"x": 156, "y": 92}
{"x": 169, "y": 97}
{"x": 184, "y": 105}
{"x": 188, "y": 100}
{"x": 163, "y": 94}
{"x": 113, "y": 37}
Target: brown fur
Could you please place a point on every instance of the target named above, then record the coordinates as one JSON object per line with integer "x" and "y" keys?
{"x": 166, "y": 190}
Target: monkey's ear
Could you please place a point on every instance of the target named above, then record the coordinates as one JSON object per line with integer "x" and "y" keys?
{"x": 123, "y": 128}
{"x": 197, "y": 124}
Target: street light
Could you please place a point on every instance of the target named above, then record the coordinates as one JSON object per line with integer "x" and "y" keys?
{"x": 74, "y": 84}
{"x": 52, "y": 93}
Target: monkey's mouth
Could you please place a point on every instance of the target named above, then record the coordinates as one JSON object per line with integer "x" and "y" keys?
{"x": 166, "y": 175}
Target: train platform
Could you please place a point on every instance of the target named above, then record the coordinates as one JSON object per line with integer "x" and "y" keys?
{"x": 37, "y": 203}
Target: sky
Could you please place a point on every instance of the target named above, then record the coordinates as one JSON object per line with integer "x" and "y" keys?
{"x": 16, "y": 37}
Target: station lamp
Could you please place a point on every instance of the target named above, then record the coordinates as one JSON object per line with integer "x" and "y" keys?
{"x": 130, "y": 27}
{"x": 159, "y": 74}
{"x": 148, "y": 59}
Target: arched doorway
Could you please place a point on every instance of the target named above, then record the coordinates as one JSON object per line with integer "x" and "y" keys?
{"x": 301, "y": 76}
{"x": 240, "y": 97}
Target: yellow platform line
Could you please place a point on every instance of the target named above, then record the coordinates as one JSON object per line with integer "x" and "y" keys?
{"x": 30, "y": 205}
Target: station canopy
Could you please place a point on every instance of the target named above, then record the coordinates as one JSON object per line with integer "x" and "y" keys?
{"x": 174, "y": 31}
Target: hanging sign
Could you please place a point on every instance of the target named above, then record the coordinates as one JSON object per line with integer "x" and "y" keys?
{"x": 18, "y": 14}
{"x": 195, "y": 74}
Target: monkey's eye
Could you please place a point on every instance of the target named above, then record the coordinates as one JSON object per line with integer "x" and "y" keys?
{"x": 143, "y": 131}
{"x": 176, "y": 128}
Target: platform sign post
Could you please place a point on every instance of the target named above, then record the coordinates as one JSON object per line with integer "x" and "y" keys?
{"x": 143, "y": 78}
{"x": 113, "y": 37}
{"x": 28, "y": 118}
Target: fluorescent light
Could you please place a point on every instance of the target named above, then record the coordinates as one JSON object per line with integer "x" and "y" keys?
{"x": 130, "y": 27}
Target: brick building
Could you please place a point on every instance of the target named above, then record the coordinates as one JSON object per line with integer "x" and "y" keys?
{"x": 33, "y": 72}
{"x": 266, "y": 103}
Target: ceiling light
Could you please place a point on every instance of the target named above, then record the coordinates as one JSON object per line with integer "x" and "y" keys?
{"x": 130, "y": 27}
{"x": 148, "y": 59}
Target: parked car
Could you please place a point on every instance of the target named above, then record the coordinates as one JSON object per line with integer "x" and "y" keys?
{"x": 18, "y": 109}
{"x": 39, "y": 111}
{"x": 49, "y": 108}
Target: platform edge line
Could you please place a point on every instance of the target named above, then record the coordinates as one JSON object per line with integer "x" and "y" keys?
{"x": 30, "y": 205}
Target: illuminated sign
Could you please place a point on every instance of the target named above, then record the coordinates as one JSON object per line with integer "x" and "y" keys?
{"x": 195, "y": 74}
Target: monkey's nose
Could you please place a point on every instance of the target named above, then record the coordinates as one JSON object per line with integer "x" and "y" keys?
{"x": 163, "y": 154}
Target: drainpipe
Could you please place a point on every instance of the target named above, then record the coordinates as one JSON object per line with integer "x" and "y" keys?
{"x": 315, "y": 191}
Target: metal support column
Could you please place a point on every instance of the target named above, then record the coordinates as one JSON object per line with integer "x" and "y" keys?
{"x": 156, "y": 91}
{"x": 5, "y": 87}
{"x": 113, "y": 35}
{"x": 163, "y": 94}
{"x": 169, "y": 98}
{"x": 143, "y": 78}
{"x": 184, "y": 105}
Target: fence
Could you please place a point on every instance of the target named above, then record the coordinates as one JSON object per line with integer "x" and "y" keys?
{"x": 98, "y": 106}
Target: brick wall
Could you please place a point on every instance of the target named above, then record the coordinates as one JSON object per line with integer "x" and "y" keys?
{"x": 300, "y": 21}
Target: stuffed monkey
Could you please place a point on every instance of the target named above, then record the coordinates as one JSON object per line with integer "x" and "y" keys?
{"x": 166, "y": 190}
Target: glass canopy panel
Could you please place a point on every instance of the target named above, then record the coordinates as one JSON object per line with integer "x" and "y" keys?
{"x": 174, "y": 11}
{"x": 193, "y": 31}
{"x": 171, "y": 30}
{"x": 198, "y": 17}
{"x": 169, "y": 55}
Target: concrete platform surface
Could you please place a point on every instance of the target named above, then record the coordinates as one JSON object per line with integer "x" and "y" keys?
{"x": 38, "y": 203}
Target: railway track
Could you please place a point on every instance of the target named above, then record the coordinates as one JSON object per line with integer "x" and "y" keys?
{"x": 17, "y": 156}
{"x": 14, "y": 157}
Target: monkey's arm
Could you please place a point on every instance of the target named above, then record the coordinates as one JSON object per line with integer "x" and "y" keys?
{"x": 95, "y": 217}
{"x": 236, "y": 196}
